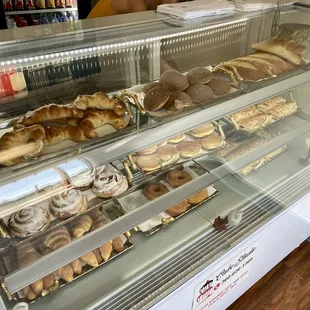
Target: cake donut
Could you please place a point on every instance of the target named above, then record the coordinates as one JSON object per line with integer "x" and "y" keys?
{"x": 178, "y": 209}
{"x": 68, "y": 203}
{"x": 198, "y": 197}
{"x": 189, "y": 149}
{"x": 29, "y": 221}
{"x": 154, "y": 190}
{"x": 177, "y": 178}
{"x": 110, "y": 184}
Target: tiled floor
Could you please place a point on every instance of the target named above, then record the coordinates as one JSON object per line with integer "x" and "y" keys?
{"x": 285, "y": 287}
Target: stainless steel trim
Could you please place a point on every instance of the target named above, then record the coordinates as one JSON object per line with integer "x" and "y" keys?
{"x": 47, "y": 264}
{"x": 108, "y": 153}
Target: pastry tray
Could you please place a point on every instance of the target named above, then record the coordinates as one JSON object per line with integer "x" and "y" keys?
{"x": 161, "y": 114}
{"x": 188, "y": 137}
{"x": 93, "y": 203}
{"x": 135, "y": 199}
{"x": 6, "y": 263}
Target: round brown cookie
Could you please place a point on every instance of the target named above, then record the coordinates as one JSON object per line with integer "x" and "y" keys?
{"x": 200, "y": 93}
{"x": 198, "y": 75}
{"x": 173, "y": 80}
{"x": 156, "y": 98}
{"x": 149, "y": 86}
{"x": 219, "y": 86}
{"x": 178, "y": 101}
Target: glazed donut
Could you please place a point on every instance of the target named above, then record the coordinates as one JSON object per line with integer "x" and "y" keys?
{"x": 154, "y": 190}
{"x": 189, "y": 149}
{"x": 68, "y": 203}
{"x": 178, "y": 209}
{"x": 148, "y": 162}
{"x": 177, "y": 178}
{"x": 29, "y": 221}
{"x": 148, "y": 151}
{"x": 198, "y": 197}
{"x": 110, "y": 184}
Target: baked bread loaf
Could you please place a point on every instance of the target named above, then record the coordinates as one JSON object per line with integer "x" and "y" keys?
{"x": 21, "y": 144}
{"x": 154, "y": 190}
{"x": 262, "y": 65}
{"x": 68, "y": 203}
{"x": 199, "y": 75}
{"x": 200, "y": 93}
{"x": 48, "y": 113}
{"x": 173, "y": 80}
{"x": 287, "y": 49}
{"x": 81, "y": 225}
{"x": 97, "y": 118}
{"x": 149, "y": 86}
{"x": 57, "y": 134}
{"x": 148, "y": 162}
{"x": 110, "y": 184}
{"x": 156, "y": 98}
{"x": 100, "y": 101}
{"x": 178, "y": 101}
{"x": 219, "y": 86}
{"x": 280, "y": 64}
{"x": 28, "y": 221}
{"x": 189, "y": 149}
{"x": 168, "y": 155}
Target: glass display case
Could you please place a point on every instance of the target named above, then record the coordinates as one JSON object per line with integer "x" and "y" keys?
{"x": 136, "y": 154}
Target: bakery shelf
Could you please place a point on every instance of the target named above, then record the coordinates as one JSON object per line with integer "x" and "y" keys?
{"x": 77, "y": 248}
{"x": 39, "y": 11}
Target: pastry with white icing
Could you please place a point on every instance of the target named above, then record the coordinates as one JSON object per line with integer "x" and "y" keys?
{"x": 234, "y": 217}
{"x": 68, "y": 203}
{"x": 29, "y": 221}
{"x": 110, "y": 184}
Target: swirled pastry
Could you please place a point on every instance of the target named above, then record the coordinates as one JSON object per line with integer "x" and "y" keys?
{"x": 110, "y": 184}
{"x": 68, "y": 203}
{"x": 29, "y": 221}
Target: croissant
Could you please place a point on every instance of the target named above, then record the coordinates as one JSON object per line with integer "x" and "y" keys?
{"x": 106, "y": 250}
{"x": 26, "y": 255}
{"x": 95, "y": 214}
{"x": 29, "y": 293}
{"x": 48, "y": 281}
{"x": 66, "y": 273}
{"x": 56, "y": 134}
{"x": 90, "y": 259}
{"x": 48, "y": 113}
{"x": 17, "y": 145}
{"x": 95, "y": 118}
{"x": 98, "y": 256}
{"x": 76, "y": 266}
{"x": 81, "y": 226}
{"x": 99, "y": 101}
{"x": 57, "y": 238}
{"x": 118, "y": 245}
{"x": 284, "y": 48}
{"x": 100, "y": 221}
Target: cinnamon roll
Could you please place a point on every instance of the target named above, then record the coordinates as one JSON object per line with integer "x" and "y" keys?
{"x": 29, "y": 221}
{"x": 110, "y": 184}
{"x": 68, "y": 203}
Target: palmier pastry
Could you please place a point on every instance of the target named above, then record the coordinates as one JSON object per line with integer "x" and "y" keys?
{"x": 29, "y": 221}
{"x": 149, "y": 162}
{"x": 200, "y": 93}
{"x": 269, "y": 104}
{"x": 189, "y": 149}
{"x": 198, "y": 197}
{"x": 256, "y": 122}
{"x": 211, "y": 142}
{"x": 110, "y": 184}
{"x": 177, "y": 138}
{"x": 149, "y": 150}
{"x": 100, "y": 101}
{"x": 177, "y": 178}
{"x": 154, "y": 190}
{"x": 178, "y": 101}
{"x": 156, "y": 98}
{"x": 168, "y": 154}
{"x": 199, "y": 75}
{"x": 68, "y": 203}
{"x": 178, "y": 209}
{"x": 202, "y": 131}
{"x": 173, "y": 80}
{"x": 219, "y": 86}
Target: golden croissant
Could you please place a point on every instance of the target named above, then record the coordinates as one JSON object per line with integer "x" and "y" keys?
{"x": 55, "y": 134}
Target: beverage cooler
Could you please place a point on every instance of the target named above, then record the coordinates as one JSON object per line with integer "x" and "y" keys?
{"x": 151, "y": 163}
